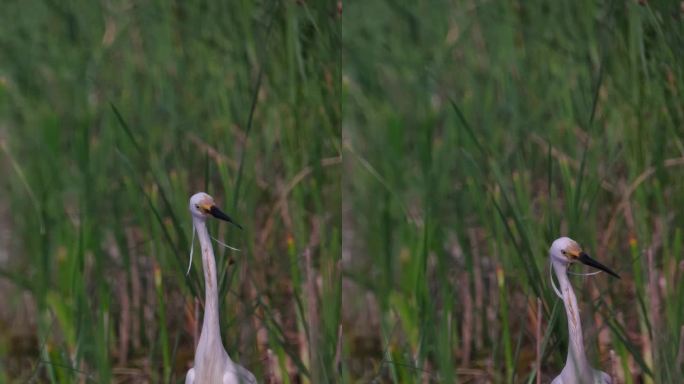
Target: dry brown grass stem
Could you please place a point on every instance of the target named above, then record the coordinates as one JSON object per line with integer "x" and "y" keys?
{"x": 564, "y": 158}
{"x": 285, "y": 192}
{"x": 627, "y": 194}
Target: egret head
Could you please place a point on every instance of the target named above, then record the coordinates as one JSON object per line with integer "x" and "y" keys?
{"x": 566, "y": 251}
{"x": 202, "y": 206}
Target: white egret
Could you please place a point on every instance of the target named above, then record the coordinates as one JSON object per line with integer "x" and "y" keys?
{"x": 565, "y": 251}
{"x": 212, "y": 363}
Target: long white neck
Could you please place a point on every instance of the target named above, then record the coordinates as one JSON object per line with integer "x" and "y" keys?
{"x": 211, "y": 334}
{"x": 577, "y": 359}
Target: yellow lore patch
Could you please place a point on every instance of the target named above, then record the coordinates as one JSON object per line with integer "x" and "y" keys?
{"x": 206, "y": 205}
{"x": 573, "y": 251}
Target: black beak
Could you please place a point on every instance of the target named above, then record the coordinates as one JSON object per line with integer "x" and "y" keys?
{"x": 219, "y": 214}
{"x": 585, "y": 259}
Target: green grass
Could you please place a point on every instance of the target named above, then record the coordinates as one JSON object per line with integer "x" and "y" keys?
{"x": 111, "y": 115}
{"x": 473, "y": 134}
{"x": 478, "y": 132}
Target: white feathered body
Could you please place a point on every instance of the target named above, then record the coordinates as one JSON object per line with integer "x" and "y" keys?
{"x": 212, "y": 364}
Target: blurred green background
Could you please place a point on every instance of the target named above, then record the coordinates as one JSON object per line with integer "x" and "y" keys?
{"x": 474, "y": 134}
{"x": 112, "y": 113}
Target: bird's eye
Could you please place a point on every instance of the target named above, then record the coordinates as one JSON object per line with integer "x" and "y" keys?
{"x": 197, "y": 206}
{"x": 563, "y": 251}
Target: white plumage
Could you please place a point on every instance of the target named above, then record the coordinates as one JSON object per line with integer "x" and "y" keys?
{"x": 212, "y": 363}
{"x": 565, "y": 251}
